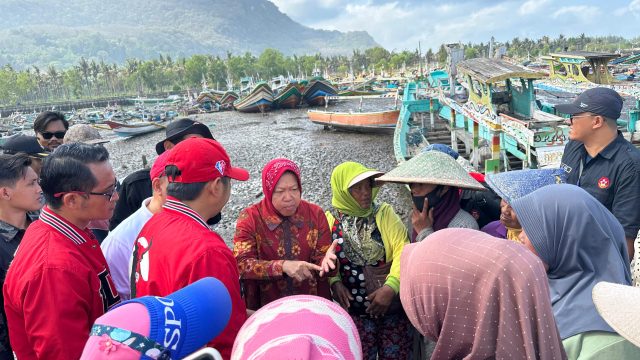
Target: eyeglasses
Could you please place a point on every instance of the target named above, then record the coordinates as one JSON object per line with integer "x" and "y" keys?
{"x": 108, "y": 195}
{"x": 579, "y": 116}
{"x": 48, "y": 135}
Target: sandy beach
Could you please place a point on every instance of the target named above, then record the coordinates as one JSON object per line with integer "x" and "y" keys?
{"x": 253, "y": 139}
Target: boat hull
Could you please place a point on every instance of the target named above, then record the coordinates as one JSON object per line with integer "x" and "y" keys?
{"x": 317, "y": 91}
{"x": 259, "y": 100}
{"x": 128, "y": 130}
{"x": 369, "y": 122}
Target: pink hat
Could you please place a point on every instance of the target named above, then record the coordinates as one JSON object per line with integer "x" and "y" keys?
{"x": 301, "y": 327}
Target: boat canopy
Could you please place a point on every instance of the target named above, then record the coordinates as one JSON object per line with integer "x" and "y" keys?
{"x": 490, "y": 71}
{"x": 573, "y": 56}
{"x": 581, "y": 66}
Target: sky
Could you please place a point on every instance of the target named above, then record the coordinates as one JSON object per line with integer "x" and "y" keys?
{"x": 401, "y": 24}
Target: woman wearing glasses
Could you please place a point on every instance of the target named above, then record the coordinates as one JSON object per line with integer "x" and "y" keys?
{"x": 50, "y": 128}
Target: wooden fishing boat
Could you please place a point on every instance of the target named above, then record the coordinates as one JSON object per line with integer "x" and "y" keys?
{"x": 227, "y": 100}
{"x": 259, "y": 100}
{"x": 317, "y": 90}
{"x": 289, "y": 97}
{"x": 370, "y": 122}
{"x": 134, "y": 129}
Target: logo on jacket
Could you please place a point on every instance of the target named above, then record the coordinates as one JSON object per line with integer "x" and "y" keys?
{"x": 604, "y": 182}
{"x": 220, "y": 165}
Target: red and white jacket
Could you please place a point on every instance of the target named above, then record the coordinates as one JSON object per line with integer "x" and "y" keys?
{"x": 176, "y": 248}
{"x": 57, "y": 285}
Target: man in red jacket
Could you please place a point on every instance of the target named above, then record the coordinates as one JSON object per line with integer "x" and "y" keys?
{"x": 176, "y": 247}
{"x": 58, "y": 283}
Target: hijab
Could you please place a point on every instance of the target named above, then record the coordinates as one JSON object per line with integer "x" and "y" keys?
{"x": 271, "y": 174}
{"x": 582, "y": 243}
{"x": 302, "y": 327}
{"x": 447, "y": 209}
{"x": 342, "y": 200}
{"x": 479, "y": 297}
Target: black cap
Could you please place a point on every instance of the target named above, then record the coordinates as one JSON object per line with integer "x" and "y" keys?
{"x": 599, "y": 101}
{"x": 182, "y": 127}
{"x": 24, "y": 144}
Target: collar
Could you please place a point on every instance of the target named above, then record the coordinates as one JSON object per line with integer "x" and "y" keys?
{"x": 612, "y": 148}
{"x": 176, "y": 205}
{"x": 145, "y": 206}
{"x": 9, "y": 232}
{"x": 274, "y": 220}
{"x": 64, "y": 227}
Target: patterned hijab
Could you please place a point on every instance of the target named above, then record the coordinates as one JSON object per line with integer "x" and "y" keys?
{"x": 301, "y": 327}
{"x": 479, "y": 297}
{"x": 342, "y": 200}
{"x": 582, "y": 243}
{"x": 271, "y": 173}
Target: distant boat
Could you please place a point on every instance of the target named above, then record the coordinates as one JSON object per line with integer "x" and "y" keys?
{"x": 289, "y": 97}
{"x": 375, "y": 121}
{"x": 227, "y": 100}
{"x": 259, "y": 100}
{"x": 134, "y": 129}
{"x": 316, "y": 91}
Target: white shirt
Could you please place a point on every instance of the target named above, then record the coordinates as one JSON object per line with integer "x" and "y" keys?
{"x": 117, "y": 248}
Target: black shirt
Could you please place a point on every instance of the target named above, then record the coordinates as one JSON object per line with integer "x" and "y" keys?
{"x": 10, "y": 237}
{"x": 135, "y": 188}
{"x": 612, "y": 177}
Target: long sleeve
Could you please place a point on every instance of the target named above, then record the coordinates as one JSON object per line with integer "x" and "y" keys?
{"x": 394, "y": 237}
{"x": 323, "y": 241}
{"x": 245, "y": 249}
{"x": 56, "y": 313}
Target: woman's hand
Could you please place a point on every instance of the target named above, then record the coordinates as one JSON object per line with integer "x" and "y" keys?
{"x": 421, "y": 220}
{"x": 380, "y": 301}
{"x": 330, "y": 259}
{"x": 299, "y": 270}
{"x": 341, "y": 294}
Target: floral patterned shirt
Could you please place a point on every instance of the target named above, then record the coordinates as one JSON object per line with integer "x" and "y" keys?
{"x": 264, "y": 240}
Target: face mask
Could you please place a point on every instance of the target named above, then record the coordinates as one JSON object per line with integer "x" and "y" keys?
{"x": 433, "y": 197}
{"x": 214, "y": 220}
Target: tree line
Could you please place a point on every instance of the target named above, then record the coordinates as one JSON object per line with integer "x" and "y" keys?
{"x": 90, "y": 79}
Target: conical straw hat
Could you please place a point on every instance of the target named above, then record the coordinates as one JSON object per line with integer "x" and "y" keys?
{"x": 619, "y": 306}
{"x": 432, "y": 167}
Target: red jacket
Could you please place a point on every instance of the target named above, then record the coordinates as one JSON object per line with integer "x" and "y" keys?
{"x": 176, "y": 248}
{"x": 57, "y": 285}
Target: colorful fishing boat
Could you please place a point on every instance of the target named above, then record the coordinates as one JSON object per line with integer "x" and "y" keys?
{"x": 227, "y": 100}
{"x": 133, "y": 129}
{"x": 317, "y": 91}
{"x": 289, "y": 97}
{"x": 369, "y": 122}
{"x": 259, "y": 100}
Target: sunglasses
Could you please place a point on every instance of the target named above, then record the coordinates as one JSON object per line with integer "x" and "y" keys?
{"x": 579, "y": 116}
{"x": 48, "y": 135}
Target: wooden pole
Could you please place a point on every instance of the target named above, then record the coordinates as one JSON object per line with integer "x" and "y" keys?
{"x": 454, "y": 140}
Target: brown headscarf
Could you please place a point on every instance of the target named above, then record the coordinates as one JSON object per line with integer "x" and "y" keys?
{"x": 479, "y": 297}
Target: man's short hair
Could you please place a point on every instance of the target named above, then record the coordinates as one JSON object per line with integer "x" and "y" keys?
{"x": 66, "y": 169}
{"x": 186, "y": 192}
{"x": 45, "y": 117}
{"x": 13, "y": 168}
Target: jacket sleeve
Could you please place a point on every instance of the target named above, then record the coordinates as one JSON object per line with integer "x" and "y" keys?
{"x": 222, "y": 266}
{"x": 57, "y": 313}
{"x": 245, "y": 249}
{"x": 394, "y": 237}
{"x": 337, "y": 277}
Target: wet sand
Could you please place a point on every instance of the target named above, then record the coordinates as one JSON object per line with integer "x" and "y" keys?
{"x": 252, "y": 140}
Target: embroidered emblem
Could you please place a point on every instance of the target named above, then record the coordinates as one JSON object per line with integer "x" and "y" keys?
{"x": 566, "y": 168}
{"x": 220, "y": 165}
{"x": 604, "y": 182}
{"x": 583, "y": 105}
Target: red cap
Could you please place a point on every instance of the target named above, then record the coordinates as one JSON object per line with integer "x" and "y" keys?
{"x": 157, "y": 170}
{"x": 202, "y": 160}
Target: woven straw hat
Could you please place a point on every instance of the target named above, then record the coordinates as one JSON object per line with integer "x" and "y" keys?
{"x": 432, "y": 167}
{"x": 512, "y": 185}
{"x": 619, "y": 306}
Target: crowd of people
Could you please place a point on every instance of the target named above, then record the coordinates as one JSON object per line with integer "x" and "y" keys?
{"x": 515, "y": 265}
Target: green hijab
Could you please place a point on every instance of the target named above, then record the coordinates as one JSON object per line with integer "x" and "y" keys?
{"x": 342, "y": 200}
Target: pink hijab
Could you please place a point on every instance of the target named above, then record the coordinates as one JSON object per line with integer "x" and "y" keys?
{"x": 479, "y": 297}
{"x": 271, "y": 173}
{"x": 301, "y": 327}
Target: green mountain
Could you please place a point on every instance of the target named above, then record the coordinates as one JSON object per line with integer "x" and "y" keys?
{"x": 59, "y": 32}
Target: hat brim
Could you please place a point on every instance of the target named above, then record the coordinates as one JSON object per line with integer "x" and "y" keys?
{"x": 196, "y": 128}
{"x": 237, "y": 173}
{"x": 407, "y": 180}
{"x": 365, "y": 175}
{"x": 619, "y": 306}
{"x": 569, "y": 109}
{"x": 96, "y": 141}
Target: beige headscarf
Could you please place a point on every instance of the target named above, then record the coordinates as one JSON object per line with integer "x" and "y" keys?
{"x": 479, "y": 297}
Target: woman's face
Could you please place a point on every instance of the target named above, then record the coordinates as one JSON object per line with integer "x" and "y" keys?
{"x": 508, "y": 216}
{"x": 362, "y": 193}
{"x": 286, "y": 195}
{"x": 421, "y": 189}
{"x": 525, "y": 240}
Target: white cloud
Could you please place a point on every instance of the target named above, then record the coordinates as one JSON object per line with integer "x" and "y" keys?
{"x": 583, "y": 12}
{"x": 634, "y": 7}
{"x": 532, "y": 6}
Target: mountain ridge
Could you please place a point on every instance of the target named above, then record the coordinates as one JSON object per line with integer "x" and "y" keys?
{"x": 40, "y": 32}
